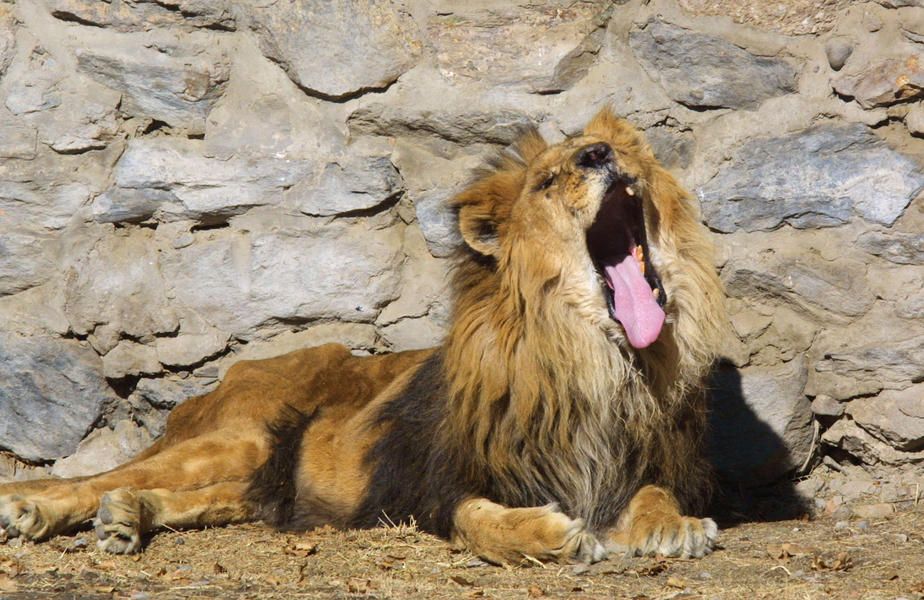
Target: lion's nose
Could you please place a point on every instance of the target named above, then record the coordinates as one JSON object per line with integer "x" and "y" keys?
{"x": 594, "y": 156}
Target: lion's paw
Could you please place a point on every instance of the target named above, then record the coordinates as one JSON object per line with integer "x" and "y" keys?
{"x": 672, "y": 536}
{"x": 118, "y": 522}
{"x": 21, "y": 517}
{"x": 544, "y": 533}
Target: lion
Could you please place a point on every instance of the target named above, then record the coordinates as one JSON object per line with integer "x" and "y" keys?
{"x": 562, "y": 419}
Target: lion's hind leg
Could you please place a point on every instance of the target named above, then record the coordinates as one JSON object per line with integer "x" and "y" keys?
{"x": 652, "y": 524}
{"x": 510, "y": 536}
{"x": 192, "y": 464}
{"x": 125, "y": 515}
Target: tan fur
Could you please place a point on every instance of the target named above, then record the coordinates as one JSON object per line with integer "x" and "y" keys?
{"x": 543, "y": 397}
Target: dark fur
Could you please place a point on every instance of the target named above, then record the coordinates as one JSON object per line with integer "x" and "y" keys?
{"x": 273, "y": 488}
{"x": 412, "y": 475}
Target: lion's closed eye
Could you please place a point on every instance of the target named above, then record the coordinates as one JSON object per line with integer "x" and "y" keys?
{"x": 545, "y": 182}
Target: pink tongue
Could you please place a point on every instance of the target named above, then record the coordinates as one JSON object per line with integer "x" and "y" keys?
{"x": 634, "y": 304}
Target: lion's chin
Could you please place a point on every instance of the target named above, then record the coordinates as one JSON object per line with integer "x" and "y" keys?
{"x": 618, "y": 246}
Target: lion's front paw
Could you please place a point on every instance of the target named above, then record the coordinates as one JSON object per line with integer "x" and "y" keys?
{"x": 511, "y": 535}
{"x": 21, "y": 517}
{"x": 670, "y": 535}
{"x": 546, "y": 534}
{"x": 118, "y": 522}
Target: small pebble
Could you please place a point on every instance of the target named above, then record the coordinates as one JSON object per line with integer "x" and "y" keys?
{"x": 841, "y": 525}
{"x": 837, "y": 51}
{"x": 80, "y": 543}
{"x": 140, "y": 596}
{"x": 705, "y": 575}
{"x": 863, "y": 525}
{"x": 900, "y": 538}
{"x": 179, "y": 541}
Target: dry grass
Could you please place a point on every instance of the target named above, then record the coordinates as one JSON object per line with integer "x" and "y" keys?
{"x": 788, "y": 559}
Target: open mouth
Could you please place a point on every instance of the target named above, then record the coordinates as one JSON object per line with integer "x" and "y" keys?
{"x": 618, "y": 247}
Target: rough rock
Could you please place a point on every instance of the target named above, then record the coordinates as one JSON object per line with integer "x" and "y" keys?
{"x": 817, "y": 178}
{"x": 103, "y": 449}
{"x": 130, "y": 358}
{"x": 414, "y": 333}
{"x": 143, "y": 14}
{"x": 703, "y": 71}
{"x": 169, "y": 392}
{"x": 826, "y": 406}
{"x": 72, "y": 113}
{"x": 170, "y": 78}
{"x": 674, "y": 149}
{"x": 262, "y": 114}
{"x": 426, "y": 282}
{"x": 172, "y": 179}
{"x": 46, "y": 380}
{"x": 886, "y": 82}
{"x": 469, "y": 127}
{"x": 85, "y": 119}
{"x": 237, "y": 282}
{"x": 40, "y": 207}
{"x": 894, "y": 246}
{"x": 761, "y": 422}
{"x": 544, "y": 47}
{"x": 36, "y": 311}
{"x": 7, "y": 38}
{"x": 186, "y": 350}
{"x": 118, "y": 284}
{"x": 17, "y": 140}
{"x": 17, "y": 241}
{"x": 355, "y": 46}
{"x": 901, "y": 3}
{"x": 801, "y": 278}
{"x": 33, "y": 85}
{"x": 866, "y": 357}
{"x": 851, "y": 438}
{"x": 914, "y": 120}
{"x": 361, "y": 180}
{"x": 894, "y": 416}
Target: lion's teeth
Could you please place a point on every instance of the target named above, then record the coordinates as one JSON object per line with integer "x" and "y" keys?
{"x": 656, "y": 293}
{"x": 630, "y": 191}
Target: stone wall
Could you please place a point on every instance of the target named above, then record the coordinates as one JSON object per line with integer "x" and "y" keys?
{"x": 186, "y": 183}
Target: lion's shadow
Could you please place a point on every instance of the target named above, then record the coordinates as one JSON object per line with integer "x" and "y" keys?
{"x": 750, "y": 458}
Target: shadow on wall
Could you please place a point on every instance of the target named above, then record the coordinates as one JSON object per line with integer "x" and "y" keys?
{"x": 753, "y": 463}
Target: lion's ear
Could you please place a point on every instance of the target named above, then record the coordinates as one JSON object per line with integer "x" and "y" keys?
{"x": 479, "y": 230}
{"x": 484, "y": 207}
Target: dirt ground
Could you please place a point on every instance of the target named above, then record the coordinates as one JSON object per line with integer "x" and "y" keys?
{"x": 824, "y": 558}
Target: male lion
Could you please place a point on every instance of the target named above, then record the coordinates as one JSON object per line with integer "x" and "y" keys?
{"x": 563, "y": 417}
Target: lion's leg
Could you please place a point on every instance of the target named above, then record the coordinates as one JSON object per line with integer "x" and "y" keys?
{"x": 194, "y": 463}
{"x": 507, "y": 536}
{"x": 124, "y": 514}
{"x": 33, "y": 486}
{"x": 652, "y": 524}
